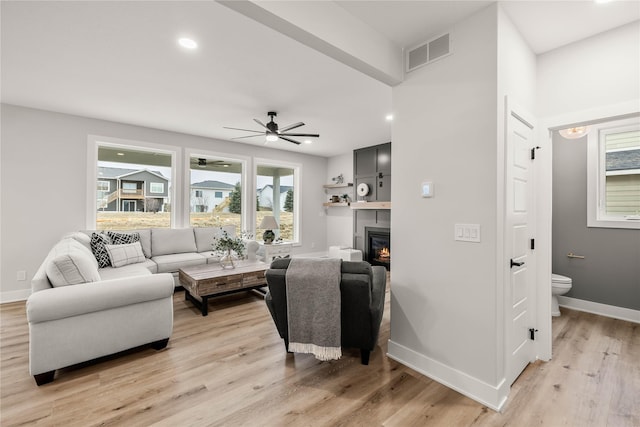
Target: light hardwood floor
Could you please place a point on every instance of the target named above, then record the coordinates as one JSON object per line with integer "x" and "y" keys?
{"x": 231, "y": 369}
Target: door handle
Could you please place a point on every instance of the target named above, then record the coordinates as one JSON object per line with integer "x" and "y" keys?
{"x": 516, "y": 264}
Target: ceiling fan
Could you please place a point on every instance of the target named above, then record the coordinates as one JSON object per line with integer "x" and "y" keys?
{"x": 203, "y": 163}
{"x": 273, "y": 133}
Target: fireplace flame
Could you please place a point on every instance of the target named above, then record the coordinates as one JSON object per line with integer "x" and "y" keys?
{"x": 384, "y": 253}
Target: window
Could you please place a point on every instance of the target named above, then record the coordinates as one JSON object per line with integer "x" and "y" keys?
{"x": 121, "y": 172}
{"x": 614, "y": 174}
{"x": 156, "y": 187}
{"x": 210, "y": 177}
{"x": 129, "y": 187}
{"x": 276, "y": 191}
{"x": 104, "y": 186}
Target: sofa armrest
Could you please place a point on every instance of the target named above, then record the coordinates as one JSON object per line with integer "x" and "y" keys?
{"x": 69, "y": 301}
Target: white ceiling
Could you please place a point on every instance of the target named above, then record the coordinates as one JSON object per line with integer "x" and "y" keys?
{"x": 119, "y": 61}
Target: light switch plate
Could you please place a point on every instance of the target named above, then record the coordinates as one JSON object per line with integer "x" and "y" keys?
{"x": 467, "y": 233}
{"x": 427, "y": 189}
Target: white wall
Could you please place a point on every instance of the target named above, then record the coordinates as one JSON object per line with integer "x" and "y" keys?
{"x": 444, "y": 296}
{"x": 599, "y": 71}
{"x": 340, "y": 219}
{"x": 47, "y": 151}
{"x": 447, "y": 297}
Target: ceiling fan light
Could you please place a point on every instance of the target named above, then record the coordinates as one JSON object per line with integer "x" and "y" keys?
{"x": 574, "y": 132}
{"x": 272, "y": 137}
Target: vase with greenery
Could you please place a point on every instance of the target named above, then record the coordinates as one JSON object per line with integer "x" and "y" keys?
{"x": 231, "y": 248}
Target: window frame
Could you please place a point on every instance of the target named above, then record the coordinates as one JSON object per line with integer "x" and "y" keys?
{"x": 96, "y": 141}
{"x": 151, "y": 184}
{"x": 245, "y": 161}
{"x": 98, "y": 182}
{"x": 297, "y": 179}
{"x": 596, "y": 175}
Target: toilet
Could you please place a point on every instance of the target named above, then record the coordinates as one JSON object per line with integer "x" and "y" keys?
{"x": 560, "y": 285}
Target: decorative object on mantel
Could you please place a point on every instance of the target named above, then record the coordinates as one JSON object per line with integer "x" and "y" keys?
{"x": 362, "y": 190}
{"x": 268, "y": 224}
{"x": 338, "y": 179}
{"x": 231, "y": 247}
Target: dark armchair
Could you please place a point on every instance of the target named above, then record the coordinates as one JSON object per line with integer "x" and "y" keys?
{"x": 362, "y": 291}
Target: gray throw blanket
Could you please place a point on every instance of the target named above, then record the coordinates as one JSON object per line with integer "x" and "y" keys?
{"x": 313, "y": 307}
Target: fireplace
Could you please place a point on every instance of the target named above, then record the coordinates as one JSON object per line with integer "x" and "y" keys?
{"x": 378, "y": 246}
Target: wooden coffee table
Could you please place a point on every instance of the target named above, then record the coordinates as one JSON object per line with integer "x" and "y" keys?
{"x": 204, "y": 281}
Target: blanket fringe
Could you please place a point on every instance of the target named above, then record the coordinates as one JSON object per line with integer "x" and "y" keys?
{"x": 321, "y": 353}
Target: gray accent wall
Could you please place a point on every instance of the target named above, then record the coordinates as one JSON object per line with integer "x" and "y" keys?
{"x": 610, "y": 272}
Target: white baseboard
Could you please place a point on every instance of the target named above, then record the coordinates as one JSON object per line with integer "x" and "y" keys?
{"x": 12, "y": 296}
{"x": 621, "y": 313}
{"x": 493, "y": 397}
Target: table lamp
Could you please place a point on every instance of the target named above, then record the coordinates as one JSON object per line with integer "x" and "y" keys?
{"x": 268, "y": 224}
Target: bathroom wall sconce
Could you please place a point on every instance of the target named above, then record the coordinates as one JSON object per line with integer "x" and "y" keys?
{"x": 574, "y": 132}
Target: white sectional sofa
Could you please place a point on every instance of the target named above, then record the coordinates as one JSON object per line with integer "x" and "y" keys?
{"x": 78, "y": 311}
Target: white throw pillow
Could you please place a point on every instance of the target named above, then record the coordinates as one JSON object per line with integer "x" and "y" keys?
{"x": 121, "y": 255}
{"x": 72, "y": 268}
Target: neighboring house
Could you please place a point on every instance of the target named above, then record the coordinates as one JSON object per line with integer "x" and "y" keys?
{"x": 207, "y": 195}
{"x": 623, "y": 177}
{"x": 131, "y": 190}
{"x": 265, "y": 196}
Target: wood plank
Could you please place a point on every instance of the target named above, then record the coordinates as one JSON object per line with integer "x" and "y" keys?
{"x": 231, "y": 368}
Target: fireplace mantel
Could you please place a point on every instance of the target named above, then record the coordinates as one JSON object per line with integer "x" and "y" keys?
{"x": 370, "y": 205}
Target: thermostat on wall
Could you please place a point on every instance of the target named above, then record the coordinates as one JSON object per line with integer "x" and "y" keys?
{"x": 427, "y": 189}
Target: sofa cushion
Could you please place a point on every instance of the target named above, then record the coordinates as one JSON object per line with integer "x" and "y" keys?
{"x": 205, "y": 235}
{"x": 145, "y": 240}
{"x": 165, "y": 241}
{"x": 125, "y": 254}
{"x": 123, "y": 238}
{"x": 83, "y": 238}
{"x": 98, "y": 242}
{"x": 174, "y": 262}
{"x": 73, "y": 267}
{"x": 144, "y": 268}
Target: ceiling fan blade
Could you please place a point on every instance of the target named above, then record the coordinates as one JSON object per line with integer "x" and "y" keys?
{"x": 246, "y": 130}
{"x": 248, "y": 136}
{"x": 290, "y": 140}
{"x": 261, "y": 124}
{"x": 293, "y": 126}
{"x": 314, "y": 135}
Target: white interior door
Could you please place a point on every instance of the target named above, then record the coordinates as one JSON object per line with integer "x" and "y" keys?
{"x": 519, "y": 224}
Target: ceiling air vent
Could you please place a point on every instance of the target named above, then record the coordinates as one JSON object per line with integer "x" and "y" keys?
{"x": 428, "y": 52}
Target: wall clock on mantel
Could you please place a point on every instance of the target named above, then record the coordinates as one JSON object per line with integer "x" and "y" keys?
{"x": 363, "y": 189}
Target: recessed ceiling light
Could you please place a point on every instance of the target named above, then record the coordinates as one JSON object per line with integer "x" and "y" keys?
{"x": 602, "y": 1}
{"x": 308, "y": 141}
{"x": 120, "y": 154}
{"x": 187, "y": 43}
{"x": 389, "y": 117}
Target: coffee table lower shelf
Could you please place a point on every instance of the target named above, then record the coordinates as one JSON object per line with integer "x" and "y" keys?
{"x": 203, "y": 282}
{"x": 203, "y": 303}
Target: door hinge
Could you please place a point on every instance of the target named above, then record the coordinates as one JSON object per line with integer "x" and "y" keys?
{"x": 533, "y": 244}
{"x": 532, "y": 333}
{"x": 533, "y": 152}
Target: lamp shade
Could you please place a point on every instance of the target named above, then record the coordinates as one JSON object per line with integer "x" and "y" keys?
{"x": 268, "y": 223}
